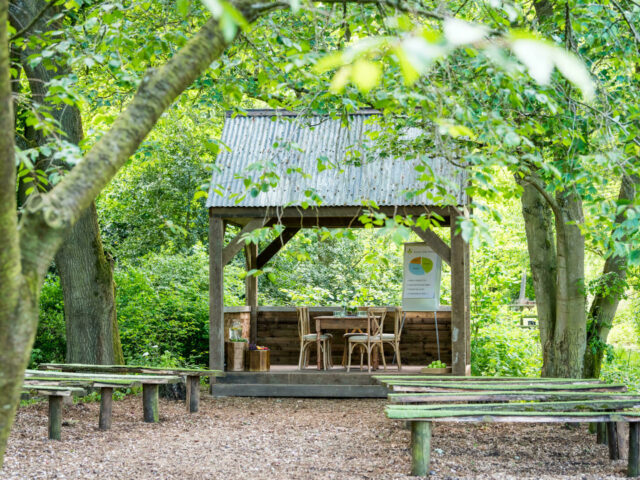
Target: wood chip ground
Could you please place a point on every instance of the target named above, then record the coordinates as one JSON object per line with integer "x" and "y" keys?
{"x": 240, "y": 438}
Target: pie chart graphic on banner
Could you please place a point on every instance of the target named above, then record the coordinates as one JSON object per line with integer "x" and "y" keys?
{"x": 420, "y": 265}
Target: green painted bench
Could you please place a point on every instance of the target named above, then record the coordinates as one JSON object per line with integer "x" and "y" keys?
{"x": 191, "y": 375}
{"x": 106, "y": 383}
{"x": 55, "y": 394}
{"x": 421, "y": 418}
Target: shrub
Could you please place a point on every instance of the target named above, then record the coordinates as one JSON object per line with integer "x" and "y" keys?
{"x": 50, "y": 344}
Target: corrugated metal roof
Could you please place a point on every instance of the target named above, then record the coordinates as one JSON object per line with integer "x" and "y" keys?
{"x": 275, "y": 143}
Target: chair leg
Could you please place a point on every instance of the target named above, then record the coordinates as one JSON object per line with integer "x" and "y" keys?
{"x": 397, "y": 349}
{"x": 369, "y": 358}
{"x": 329, "y": 354}
{"x": 349, "y": 356}
{"x": 384, "y": 362}
{"x": 301, "y": 359}
{"x": 361, "y": 358}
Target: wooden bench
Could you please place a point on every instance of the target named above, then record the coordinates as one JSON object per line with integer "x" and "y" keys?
{"x": 106, "y": 384}
{"x": 55, "y": 394}
{"x": 191, "y": 375}
{"x": 422, "y": 417}
{"x": 422, "y": 399}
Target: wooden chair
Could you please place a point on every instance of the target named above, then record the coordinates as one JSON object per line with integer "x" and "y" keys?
{"x": 393, "y": 339}
{"x": 369, "y": 340}
{"x": 308, "y": 339}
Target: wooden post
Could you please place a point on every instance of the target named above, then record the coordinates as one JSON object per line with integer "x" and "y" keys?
{"x": 633, "y": 469}
{"x": 601, "y": 433}
{"x": 106, "y": 402}
{"x": 612, "y": 438}
{"x": 55, "y": 417}
{"x": 216, "y": 294}
{"x": 420, "y": 448}
{"x": 251, "y": 290}
{"x": 460, "y": 313}
{"x": 193, "y": 393}
{"x": 150, "y": 402}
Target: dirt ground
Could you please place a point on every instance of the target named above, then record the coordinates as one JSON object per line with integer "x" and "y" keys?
{"x": 236, "y": 438}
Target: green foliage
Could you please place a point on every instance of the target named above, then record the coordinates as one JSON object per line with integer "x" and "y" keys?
{"x": 50, "y": 343}
{"x": 163, "y": 306}
{"x": 502, "y": 348}
{"x": 622, "y": 366}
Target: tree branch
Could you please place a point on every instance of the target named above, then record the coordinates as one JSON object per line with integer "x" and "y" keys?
{"x": 32, "y": 22}
{"x": 626, "y": 19}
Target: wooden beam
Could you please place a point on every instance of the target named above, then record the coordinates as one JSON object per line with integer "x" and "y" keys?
{"x": 432, "y": 239}
{"x": 236, "y": 244}
{"x": 274, "y": 247}
{"x": 251, "y": 290}
{"x": 318, "y": 212}
{"x": 634, "y": 450}
{"x": 216, "y": 294}
{"x": 460, "y": 312}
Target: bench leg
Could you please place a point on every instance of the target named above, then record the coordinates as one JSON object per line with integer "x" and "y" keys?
{"x": 193, "y": 394}
{"x": 420, "y": 448}
{"x": 601, "y": 433}
{"x": 612, "y": 439}
{"x": 55, "y": 417}
{"x": 106, "y": 401}
{"x": 150, "y": 402}
{"x": 634, "y": 447}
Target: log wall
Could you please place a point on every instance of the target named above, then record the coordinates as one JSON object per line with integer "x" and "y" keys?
{"x": 278, "y": 330}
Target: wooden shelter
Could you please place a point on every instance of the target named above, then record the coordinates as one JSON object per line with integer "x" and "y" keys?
{"x": 315, "y": 157}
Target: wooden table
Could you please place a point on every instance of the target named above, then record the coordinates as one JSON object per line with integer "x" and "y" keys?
{"x": 334, "y": 322}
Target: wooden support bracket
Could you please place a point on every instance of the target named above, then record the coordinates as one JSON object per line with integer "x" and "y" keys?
{"x": 435, "y": 242}
{"x": 236, "y": 244}
{"x": 274, "y": 247}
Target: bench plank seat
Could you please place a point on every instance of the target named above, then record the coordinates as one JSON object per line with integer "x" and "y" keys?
{"x": 130, "y": 369}
{"x": 97, "y": 377}
{"x": 568, "y": 406}
{"x": 451, "y": 386}
{"x": 491, "y": 396}
{"x": 458, "y": 379}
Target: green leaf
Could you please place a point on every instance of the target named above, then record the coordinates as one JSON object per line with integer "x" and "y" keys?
{"x": 182, "y": 6}
{"x": 365, "y": 75}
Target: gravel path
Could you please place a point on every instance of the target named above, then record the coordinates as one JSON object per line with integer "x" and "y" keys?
{"x": 257, "y": 438}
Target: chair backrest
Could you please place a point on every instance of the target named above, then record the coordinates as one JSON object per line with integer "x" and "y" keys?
{"x": 376, "y": 315}
{"x": 398, "y": 324}
{"x": 304, "y": 323}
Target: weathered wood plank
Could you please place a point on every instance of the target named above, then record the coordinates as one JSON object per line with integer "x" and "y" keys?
{"x": 158, "y": 379}
{"x": 472, "y": 415}
{"x": 473, "y": 379}
{"x": 562, "y": 406}
{"x": 58, "y": 390}
{"x": 504, "y": 396}
{"x": 420, "y": 448}
{"x": 453, "y": 386}
{"x": 127, "y": 369}
{"x": 438, "y": 245}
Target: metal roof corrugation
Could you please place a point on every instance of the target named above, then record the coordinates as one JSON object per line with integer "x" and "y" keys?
{"x": 301, "y": 141}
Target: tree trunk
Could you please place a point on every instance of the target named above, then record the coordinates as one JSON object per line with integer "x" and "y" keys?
{"x": 85, "y": 273}
{"x": 558, "y": 275}
{"x": 605, "y": 302}
{"x": 89, "y": 296}
{"x": 570, "y": 332}
{"x": 542, "y": 257}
